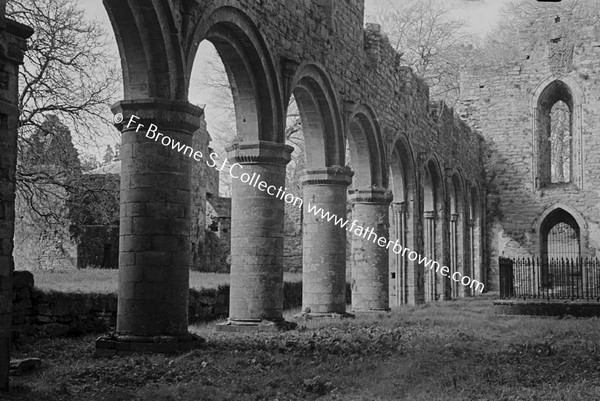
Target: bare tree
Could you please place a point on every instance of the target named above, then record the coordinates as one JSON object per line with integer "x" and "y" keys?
{"x": 68, "y": 69}
{"x": 430, "y": 41}
{"x": 70, "y": 76}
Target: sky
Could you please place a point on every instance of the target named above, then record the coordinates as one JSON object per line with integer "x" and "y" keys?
{"x": 479, "y": 16}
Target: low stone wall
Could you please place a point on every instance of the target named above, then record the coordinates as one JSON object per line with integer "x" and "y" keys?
{"x": 38, "y": 313}
{"x": 577, "y": 308}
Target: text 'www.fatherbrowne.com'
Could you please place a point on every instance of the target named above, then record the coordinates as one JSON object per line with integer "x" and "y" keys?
{"x": 235, "y": 170}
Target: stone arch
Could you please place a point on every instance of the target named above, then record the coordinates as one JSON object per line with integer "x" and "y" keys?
{"x": 406, "y": 280}
{"x": 320, "y": 115}
{"x": 476, "y": 233}
{"x": 542, "y": 220}
{"x": 366, "y": 148}
{"x": 457, "y": 209}
{"x": 152, "y": 59}
{"x": 433, "y": 216}
{"x": 550, "y": 91}
{"x": 253, "y": 77}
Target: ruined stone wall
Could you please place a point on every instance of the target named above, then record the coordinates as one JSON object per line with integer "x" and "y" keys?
{"x": 499, "y": 101}
{"x": 38, "y": 313}
{"x": 364, "y": 69}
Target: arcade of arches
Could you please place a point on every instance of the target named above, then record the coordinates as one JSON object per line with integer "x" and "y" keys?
{"x": 419, "y": 173}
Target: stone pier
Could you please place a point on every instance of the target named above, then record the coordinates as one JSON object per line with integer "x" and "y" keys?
{"x": 370, "y": 255}
{"x": 154, "y": 248}
{"x": 324, "y": 242}
{"x": 12, "y": 46}
{"x": 256, "y": 292}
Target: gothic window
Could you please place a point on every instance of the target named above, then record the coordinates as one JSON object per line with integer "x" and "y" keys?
{"x": 560, "y": 236}
{"x": 557, "y": 137}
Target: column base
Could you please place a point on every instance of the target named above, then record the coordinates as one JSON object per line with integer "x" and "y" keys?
{"x": 253, "y": 326}
{"x": 114, "y": 344}
{"x": 323, "y": 315}
{"x": 386, "y": 310}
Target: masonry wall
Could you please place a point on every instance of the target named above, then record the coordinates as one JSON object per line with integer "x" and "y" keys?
{"x": 38, "y": 313}
{"x": 499, "y": 103}
{"x": 364, "y": 69}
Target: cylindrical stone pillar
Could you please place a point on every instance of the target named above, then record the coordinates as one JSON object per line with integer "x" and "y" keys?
{"x": 324, "y": 241}
{"x": 370, "y": 258}
{"x": 14, "y": 36}
{"x": 399, "y": 263}
{"x": 257, "y": 216}
{"x": 154, "y": 247}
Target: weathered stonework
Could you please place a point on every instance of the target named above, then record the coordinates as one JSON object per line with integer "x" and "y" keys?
{"x": 506, "y": 103}
{"x": 349, "y": 87}
{"x": 324, "y": 243}
{"x": 154, "y": 248}
{"x": 12, "y": 45}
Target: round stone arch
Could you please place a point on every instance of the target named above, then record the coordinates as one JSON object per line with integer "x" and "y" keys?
{"x": 366, "y": 148}
{"x": 403, "y": 172}
{"x": 433, "y": 200}
{"x": 152, "y": 59}
{"x": 406, "y": 279}
{"x": 458, "y": 228}
{"x": 251, "y": 69}
{"x": 320, "y": 115}
{"x": 583, "y": 227}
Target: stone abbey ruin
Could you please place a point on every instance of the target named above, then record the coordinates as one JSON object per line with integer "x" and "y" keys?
{"x": 462, "y": 187}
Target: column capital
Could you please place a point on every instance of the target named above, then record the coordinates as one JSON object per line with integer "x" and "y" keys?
{"x": 172, "y": 115}
{"x": 471, "y": 222}
{"x": 429, "y": 215}
{"x": 333, "y": 175}
{"x": 13, "y": 36}
{"x": 260, "y": 152}
{"x": 375, "y": 195}
{"x": 399, "y": 207}
{"x": 454, "y": 217}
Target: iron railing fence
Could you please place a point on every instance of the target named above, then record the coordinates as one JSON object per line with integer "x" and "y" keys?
{"x": 564, "y": 278}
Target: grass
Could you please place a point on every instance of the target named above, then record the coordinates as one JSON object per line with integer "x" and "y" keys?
{"x": 106, "y": 280}
{"x": 457, "y": 350}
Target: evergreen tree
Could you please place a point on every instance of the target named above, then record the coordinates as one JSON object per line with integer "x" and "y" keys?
{"x": 109, "y": 155}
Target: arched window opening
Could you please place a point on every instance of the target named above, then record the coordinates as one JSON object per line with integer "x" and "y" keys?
{"x": 560, "y": 143}
{"x": 553, "y": 145}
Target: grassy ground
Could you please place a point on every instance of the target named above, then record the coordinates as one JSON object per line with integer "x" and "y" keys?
{"x": 457, "y": 350}
{"x": 106, "y": 280}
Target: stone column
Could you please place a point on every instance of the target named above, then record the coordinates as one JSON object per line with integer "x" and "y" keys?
{"x": 454, "y": 253}
{"x": 399, "y": 278}
{"x": 12, "y": 46}
{"x": 257, "y": 212}
{"x": 472, "y": 255}
{"x": 370, "y": 259}
{"x": 430, "y": 275}
{"x": 324, "y": 242}
{"x": 154, "y": 247}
